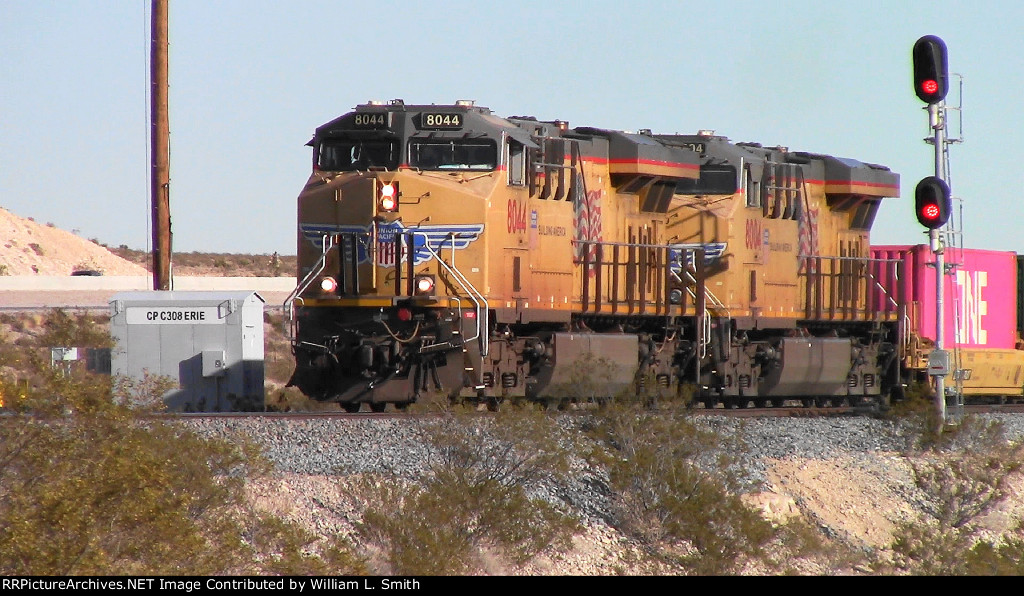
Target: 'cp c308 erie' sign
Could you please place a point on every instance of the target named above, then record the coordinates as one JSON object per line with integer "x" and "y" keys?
{"x": 173, "y": 315}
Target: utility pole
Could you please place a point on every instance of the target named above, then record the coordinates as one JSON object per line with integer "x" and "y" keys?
{"x": 160, "y": 145}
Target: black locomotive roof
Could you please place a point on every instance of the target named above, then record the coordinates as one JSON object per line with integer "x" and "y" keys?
{"x": 406, "y": 120}
{"x": 631, "y": 153}
{"x": 850, "y": 176}
{"x": 628, "y": 153}
{"x": 840, "y": 175}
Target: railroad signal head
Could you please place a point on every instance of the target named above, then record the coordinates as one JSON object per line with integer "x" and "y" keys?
{"x": 931, "y": 81}
{"x": 932, "y": 203}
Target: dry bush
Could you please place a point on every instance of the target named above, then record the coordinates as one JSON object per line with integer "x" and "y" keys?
{"x": 474, "y": 499}
{"x": 965, "y": 476}
{"x": 674, "y": 489}
{"x": 92, "y": 484}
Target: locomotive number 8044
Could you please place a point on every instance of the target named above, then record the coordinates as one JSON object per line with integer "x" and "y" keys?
{"x": 446, "y": 250}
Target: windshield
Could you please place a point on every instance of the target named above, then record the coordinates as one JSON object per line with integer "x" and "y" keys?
{"x": 459, "y": 154}
{"x": 351, "y": 154}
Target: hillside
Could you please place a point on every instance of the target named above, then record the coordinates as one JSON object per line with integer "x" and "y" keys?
{"x": 30, "y": 248}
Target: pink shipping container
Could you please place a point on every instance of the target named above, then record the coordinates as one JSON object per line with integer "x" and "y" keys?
{"x": 979, "y": 295}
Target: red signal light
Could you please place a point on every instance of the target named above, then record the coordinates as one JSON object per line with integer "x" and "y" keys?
{"x": 932, "y": 202}
{"x": 931, "y": 76}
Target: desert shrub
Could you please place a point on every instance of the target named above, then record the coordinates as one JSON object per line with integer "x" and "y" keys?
{"x": 475, "y": 497}
{"x": 26, "y": 349}
{"x": 64, "y": 328}
{"x": 290, "y": 550}
{"x": 1004, "y": 558}
{"x": 965, "y": 478}
{"x": 37, "y": 249}
{"x": 674, "y": 489}
{"x": 918, "y": 418}
{"x": 92, "y": 484}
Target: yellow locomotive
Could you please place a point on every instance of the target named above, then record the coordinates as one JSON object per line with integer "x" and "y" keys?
{"x": 443, "y": 249}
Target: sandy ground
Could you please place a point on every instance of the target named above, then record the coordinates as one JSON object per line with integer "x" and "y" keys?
{"x": 859, "y": 501}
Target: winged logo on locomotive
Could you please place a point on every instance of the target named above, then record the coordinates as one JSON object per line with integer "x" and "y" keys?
{"x": 427, "y": 240}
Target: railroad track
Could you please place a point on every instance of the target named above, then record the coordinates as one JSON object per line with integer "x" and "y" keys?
{"x": 780, "y": 412}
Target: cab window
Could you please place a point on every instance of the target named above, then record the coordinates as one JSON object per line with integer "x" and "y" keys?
{"x": 516, "y": 163}
{"x": 339, "y": 154}
{"x": 459, "y": 154}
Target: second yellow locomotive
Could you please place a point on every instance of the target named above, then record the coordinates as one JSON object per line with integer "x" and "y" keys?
{"x": 443, "y": 249}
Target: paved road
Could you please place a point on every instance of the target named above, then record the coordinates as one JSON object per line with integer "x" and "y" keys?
{"x": 96, "y": 292}
{"x": 89, "y": 299}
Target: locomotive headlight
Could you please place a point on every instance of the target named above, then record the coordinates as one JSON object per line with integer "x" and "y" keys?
{"x": 387, "y": 196}
{"x": 424, "y": 285}
{"x": 328, "y": 285}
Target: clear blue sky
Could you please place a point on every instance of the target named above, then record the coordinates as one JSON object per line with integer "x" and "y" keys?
{"x": 250, "y": 80}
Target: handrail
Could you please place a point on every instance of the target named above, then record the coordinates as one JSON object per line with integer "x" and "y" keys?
{"x": 326, "y": 243}
{"x": 868, "y": 274}
{"x": 474, "y": 295}
{"x": 715, "y": 302}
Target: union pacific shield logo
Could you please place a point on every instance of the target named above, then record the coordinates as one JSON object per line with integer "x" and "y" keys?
{"x": 426, "y": 240}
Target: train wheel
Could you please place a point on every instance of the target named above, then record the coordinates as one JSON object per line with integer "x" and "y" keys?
{"x": 837, "y": 402}
{"x": 351, "y": 407}
{"x": 710, "y": 402}
{"x": 494, "y": 403}
{"x": 822, "y": 402}
{"x": 777, "y": 402}
{"x": 378, "y": 407}
{"x": 760, "y": 402}
{"x": 807, "y": 402}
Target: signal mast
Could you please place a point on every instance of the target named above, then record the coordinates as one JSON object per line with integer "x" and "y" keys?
{"x": 932, "y": 198}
